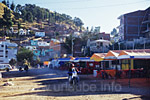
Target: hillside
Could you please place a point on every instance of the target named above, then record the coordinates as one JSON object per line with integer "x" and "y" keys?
{"x": 2, "y": 6}
{"x": 33, "y": 17}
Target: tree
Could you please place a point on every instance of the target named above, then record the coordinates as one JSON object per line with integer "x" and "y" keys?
{"x": 113, "y": 32}
{"x": 78, "y": 22}
{"x": 12, "y": 6}
{"x": 7, "y": 3}
{"x": 18, "y": 8}
{"x": 29, "y": 17}
{"x": 12, "y": 62}
{"x": 68, "y": 44}
{"x": 4, "y": 2}
{"x": 23, "y": 54}
{"x": 7, "y": 20}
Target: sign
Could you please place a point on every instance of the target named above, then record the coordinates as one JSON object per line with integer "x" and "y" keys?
{"x": 131, "y": 56}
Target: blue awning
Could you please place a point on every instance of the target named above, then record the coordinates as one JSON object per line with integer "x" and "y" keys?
{"x": 83, "y": 59}
{"x": 64, "y": 59}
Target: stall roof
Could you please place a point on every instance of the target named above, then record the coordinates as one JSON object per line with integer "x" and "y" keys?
{"x": 112, "y": 55}
{"x": 82, "y": 59}
{"x": 64, "y": 59}
{"x": 136, "y": 54}
{"x": 98, "y": 56}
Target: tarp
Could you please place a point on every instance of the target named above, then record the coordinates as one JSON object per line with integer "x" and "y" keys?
{"x": 112, "y": 55}
{"x": 98, "y": 56}
{"x": 135, "y": 54}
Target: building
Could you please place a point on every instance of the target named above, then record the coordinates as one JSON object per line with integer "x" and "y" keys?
{"x": 39, "y": 34}
{"x": 8, "y": 51}
{"x": 99, "y": 46}
{"x": 134, "y": 25}
{"x": 77, "y": 48}
{"x": 104, "y": 36}
{"x": 57, "y": 49}
{"x": 146, "y": 23}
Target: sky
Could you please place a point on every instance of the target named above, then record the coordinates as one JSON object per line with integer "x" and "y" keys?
{"x": 103, "y": 13}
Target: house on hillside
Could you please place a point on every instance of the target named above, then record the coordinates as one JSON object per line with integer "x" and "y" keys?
{"x": 57, "y": 49}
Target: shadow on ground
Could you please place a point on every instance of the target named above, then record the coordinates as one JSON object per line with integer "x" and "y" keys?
{"x": 56, "y": 84}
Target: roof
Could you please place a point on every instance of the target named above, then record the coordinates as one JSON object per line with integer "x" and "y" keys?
{"x": 98, "y": 56}
{"x": 82, "y": 59}
{"x": 64, "y": 59}
{"x": 137, "y": 54}
{"x": 100, "y": 40}
{"x": 112, "y": 54}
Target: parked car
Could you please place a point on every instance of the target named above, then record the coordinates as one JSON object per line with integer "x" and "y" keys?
{"x": 6, "y": 67}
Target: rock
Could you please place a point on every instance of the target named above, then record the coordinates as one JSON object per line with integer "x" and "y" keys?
{"x": 8, "y": 84}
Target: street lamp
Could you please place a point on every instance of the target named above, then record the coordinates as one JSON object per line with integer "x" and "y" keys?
{"x": 72, "y": 46}
{"x": 119, "y": 45}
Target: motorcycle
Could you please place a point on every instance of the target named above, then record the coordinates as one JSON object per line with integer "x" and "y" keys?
{"x": 26, "y": 68}
{"x": 73, "y": 80}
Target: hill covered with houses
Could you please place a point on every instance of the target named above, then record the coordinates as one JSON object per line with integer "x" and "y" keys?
{"x": 15, "y": 18}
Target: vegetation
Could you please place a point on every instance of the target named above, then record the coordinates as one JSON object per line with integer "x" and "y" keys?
{"x": 24, "y": 56}
{"x": 12, "y": 62}
{"x": 30, "y": 15}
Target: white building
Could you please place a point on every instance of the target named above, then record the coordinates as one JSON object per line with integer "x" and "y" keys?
{"x": 40, "y": 34}
{"x": 43, "y": 44}
{"x": 8, "y": 51}
{"x": 99, "y": 45}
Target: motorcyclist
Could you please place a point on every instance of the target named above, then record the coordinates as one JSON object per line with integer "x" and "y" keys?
{"x": 73, "y": 73}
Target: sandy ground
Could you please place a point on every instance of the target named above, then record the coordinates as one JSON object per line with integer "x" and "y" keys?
{"x": 48, "y": 84}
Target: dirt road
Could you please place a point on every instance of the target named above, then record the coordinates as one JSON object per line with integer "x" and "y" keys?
{"x": 49, "y": 84}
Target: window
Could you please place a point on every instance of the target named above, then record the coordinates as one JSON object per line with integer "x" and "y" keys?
{"x": 1, "y": 50}
{"x": 2, "y": 45}
{"x": 101, "y": 44}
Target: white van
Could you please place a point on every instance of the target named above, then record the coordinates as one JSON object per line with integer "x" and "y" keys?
{"x": 6, "y": 67}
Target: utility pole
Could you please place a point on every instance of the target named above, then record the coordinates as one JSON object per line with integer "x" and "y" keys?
{"x": 72, "y": 47}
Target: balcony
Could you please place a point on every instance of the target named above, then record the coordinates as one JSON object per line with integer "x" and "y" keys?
{"x": 147, "y": 30}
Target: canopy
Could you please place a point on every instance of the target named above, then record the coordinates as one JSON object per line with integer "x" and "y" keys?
{"x": 136, "y": 54}
{"x": 82, "y": 59}
{"x": 64, "y": 59}
{"x": 112, "y": 55}
{"x": 98, "y": 56}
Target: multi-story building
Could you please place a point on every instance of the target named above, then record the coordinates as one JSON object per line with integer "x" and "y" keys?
{"x": 77, "y": 48}
{"x": 132, "y": 25}
{"x": 146, "y": 22}
{"x": 8, "y": 51}
{"x": 57, "y": 49}
{"x": 99, "y": 46}
{"x": 104, "y": 36}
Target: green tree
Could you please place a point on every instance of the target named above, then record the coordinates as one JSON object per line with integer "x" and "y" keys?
{"x": 113, "y": 32}
{"x": 68, "y": 43}
{"x": 24, "y": 53}
{"x": 4, "y": 2}
{"x": 7, "y": 20}
{"x": 29, "y": 17}
{"x": 12, "y": 62}
{"x": 7, "y": 3}
{"x": 12, "y": 6}
{"x": 78, "y": 22}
